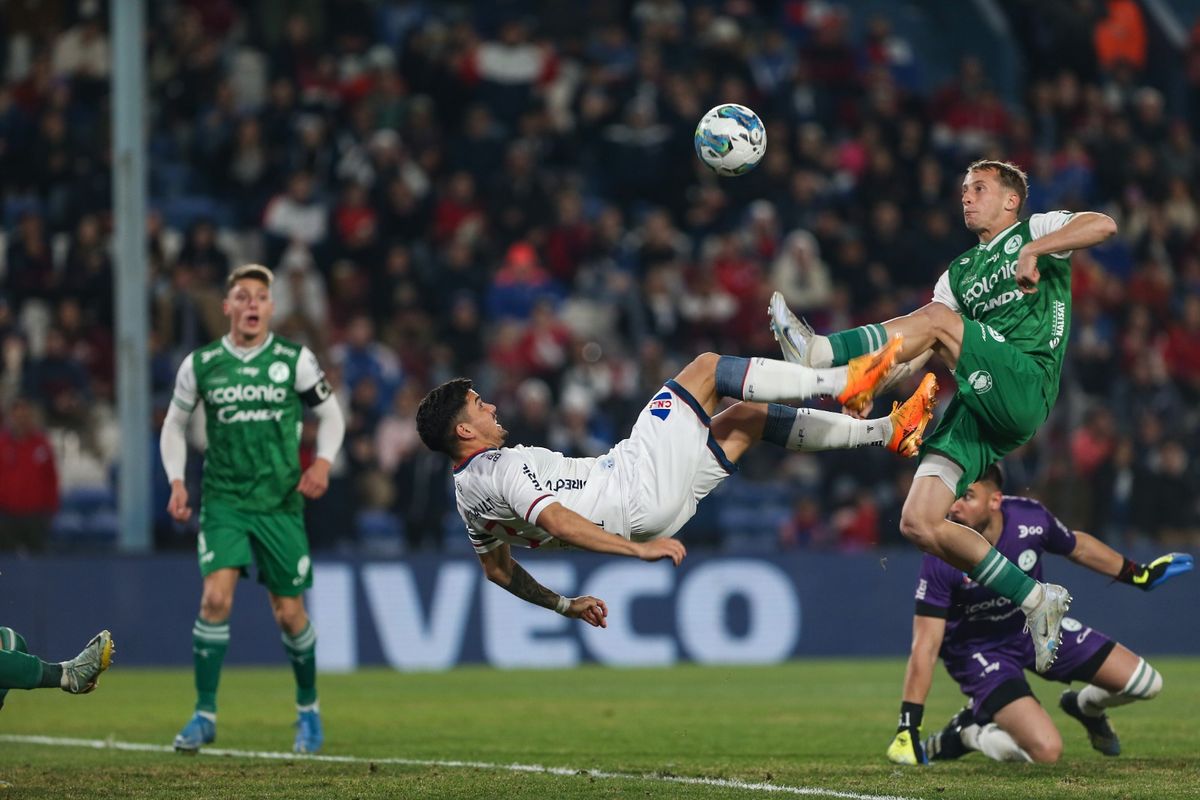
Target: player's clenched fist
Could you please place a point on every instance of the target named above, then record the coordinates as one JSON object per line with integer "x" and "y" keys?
{"x": 178, "y": 506}
{"x": 662, "y": 548}
{"x": 315, "y": 480}
{"x": 589, "y": 609}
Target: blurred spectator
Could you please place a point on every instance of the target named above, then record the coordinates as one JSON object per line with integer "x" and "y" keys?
{"x": 301, "y": 301}
{"x": 59, "y": 383}
{"x": 363, "y": 360}
{"x": 28, "y": 480}
{"x": 296, "y": 216}
{"x": 519, "y": 284}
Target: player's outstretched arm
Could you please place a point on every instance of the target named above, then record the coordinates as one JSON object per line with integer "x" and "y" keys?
{"x": 928, "y": 633}
{"x": 504, "y": 571}
{"x": 1094, "y": 554}
{"x": 1085, "y": 229}
{"x": 578, "y": 531}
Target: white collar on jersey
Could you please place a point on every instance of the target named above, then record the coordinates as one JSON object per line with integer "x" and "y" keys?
{"x": 245, "y": 353}
{"x": 998, "y": 237}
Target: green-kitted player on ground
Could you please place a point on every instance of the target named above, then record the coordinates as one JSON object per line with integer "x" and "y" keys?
{"x": 19, "y": 669}
{"x": 254, "y": 386}
{"x": 999, "y": 318}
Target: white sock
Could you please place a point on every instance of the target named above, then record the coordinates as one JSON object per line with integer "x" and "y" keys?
{"x": 1032, "y": 600}
{"x": 770, "y": 381}
{"x": 1143, "y": 684}
{"x": 820, "y": 352}
{"x": 208, "y": 715}
{"x": 994, "y": 742}
{"x": 815, "y": 429}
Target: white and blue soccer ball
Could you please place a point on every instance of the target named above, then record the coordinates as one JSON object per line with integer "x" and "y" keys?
{"x": 730, "y": 139}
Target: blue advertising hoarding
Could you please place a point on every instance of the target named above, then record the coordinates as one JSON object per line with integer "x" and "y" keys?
{"x": 434, "y": 612}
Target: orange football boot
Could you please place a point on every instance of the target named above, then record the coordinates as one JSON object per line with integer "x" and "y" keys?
{"x": 910, "y": 417}
{"x": 865, "y": 374}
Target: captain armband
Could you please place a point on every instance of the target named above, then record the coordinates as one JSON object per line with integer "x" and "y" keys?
{"x": 319, "y": 393}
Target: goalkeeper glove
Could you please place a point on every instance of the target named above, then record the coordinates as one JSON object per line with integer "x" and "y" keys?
{"x": 906, "y": 747}
{"x": 1157, "y": 572}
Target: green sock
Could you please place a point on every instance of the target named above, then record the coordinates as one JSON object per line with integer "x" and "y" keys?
{"x": 23, "y": 671}
{"x": 1003, "y": 577}
{"x": 856, "y": 342}
{"x": 301, "y": 650}
{"x": 210, "y": 640}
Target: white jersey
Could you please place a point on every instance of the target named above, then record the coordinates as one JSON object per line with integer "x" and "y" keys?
{"x": 502, "y": 492}
{"x": 646, "y": 487}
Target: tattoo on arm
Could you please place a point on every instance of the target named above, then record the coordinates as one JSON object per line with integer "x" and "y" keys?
{"x": 525, "y": 587}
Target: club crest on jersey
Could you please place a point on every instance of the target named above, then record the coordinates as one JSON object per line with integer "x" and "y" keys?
{"x": 660, "y": 406}
{"x": 1026, "y": 560}
{"x": 1013, "y": 244}
{"x": 278, "y": 372}
{"x": 980, "y": 380}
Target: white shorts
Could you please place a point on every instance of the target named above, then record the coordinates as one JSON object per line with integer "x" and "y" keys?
{"x": 669, "y": 463}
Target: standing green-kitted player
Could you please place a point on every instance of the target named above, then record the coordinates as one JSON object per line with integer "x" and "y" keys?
{"x": 999, "y": 318}
{"x": 254, "y": 386}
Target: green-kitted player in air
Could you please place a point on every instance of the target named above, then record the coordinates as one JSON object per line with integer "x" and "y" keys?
{"x": 999, "y": 318}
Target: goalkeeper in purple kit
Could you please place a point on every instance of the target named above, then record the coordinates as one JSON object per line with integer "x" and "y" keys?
{"x": 979, "y": 636}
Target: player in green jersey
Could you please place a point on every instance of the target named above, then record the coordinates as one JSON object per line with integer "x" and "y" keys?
{"x": 21, "y": 670}
{"x": 999, "y": 319}
{"x": 254, "y": 386}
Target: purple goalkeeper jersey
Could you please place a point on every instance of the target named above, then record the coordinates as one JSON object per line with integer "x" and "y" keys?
{"x": 976, "y": 614}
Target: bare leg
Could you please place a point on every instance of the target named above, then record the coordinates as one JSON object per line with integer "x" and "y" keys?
{"x": 1117, "y": 669}
{"x": 1032, "y": 729}
{"x": 216, "y": 602}
{"x": 289, "y": 613}
{"x": 923, "y": 522}
{"x": 934, "y": 327}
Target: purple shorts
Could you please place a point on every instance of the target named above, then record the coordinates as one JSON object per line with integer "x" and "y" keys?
{"x": 1002, "y": 664}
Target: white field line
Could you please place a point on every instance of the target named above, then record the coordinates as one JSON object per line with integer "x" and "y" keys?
{"x": 720, "y": 783}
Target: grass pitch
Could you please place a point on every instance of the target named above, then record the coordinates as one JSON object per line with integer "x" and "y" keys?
{"x": 808, "y": 728}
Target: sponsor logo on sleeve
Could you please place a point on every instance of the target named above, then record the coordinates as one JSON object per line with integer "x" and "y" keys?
{"x": 660, "y": 406}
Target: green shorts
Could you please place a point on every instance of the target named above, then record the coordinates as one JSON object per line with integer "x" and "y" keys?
{"x": 276, "y": 542}
{"x": 1000, "y": 402}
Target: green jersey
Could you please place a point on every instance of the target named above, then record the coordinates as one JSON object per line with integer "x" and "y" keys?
{"x": 981, "y": 285}
{"x": 253, "y": 415}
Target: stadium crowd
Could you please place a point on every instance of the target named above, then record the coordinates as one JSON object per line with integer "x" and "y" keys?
{"x": 509, "y": 190}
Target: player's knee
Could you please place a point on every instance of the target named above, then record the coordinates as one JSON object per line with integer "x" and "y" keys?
{"x": 290, "y": 617}
{"x": 1045, "y": 749}
{"x": 916, "y": 529}
{"x": 215, "y": 605}
{"x": 945, "y": 324}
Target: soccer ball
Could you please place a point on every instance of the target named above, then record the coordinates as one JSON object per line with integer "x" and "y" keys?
{"x": 730, "y": 139}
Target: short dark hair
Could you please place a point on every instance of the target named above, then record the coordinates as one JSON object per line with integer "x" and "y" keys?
{"x": 993, "y": 474}
{"x": 438, "y": 414}
{"x": 1011, "y": 177}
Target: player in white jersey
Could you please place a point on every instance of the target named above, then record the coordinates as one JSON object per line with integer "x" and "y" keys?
{"x": 632, "y": 499}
